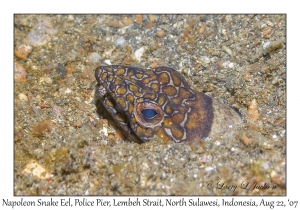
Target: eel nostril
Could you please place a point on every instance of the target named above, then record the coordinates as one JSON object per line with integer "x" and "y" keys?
{"x": 101, "y": 91}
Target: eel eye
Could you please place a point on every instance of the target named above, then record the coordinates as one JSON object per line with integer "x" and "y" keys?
{"x": 149, "y": 113}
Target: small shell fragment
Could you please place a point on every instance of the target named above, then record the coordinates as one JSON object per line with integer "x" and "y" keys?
{"x": 23, "y": 51}
{"x": 253, "y": 110}
{"x": 228, "y": 50}
{"x": 34, "y": 168}
{"x": 20, "y": 73}
{"x": 138, "y": 53}
{"x": 23, "y": 97}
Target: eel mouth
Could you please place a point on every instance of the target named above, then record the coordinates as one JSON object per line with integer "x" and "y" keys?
{"x": 107, "y": 107}
{"x": 108, "y": 101}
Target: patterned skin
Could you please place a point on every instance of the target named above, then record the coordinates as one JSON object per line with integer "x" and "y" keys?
{"x": 159, "y": 101}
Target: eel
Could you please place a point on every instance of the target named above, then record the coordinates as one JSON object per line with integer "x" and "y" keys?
{"x": 159, "y": 101}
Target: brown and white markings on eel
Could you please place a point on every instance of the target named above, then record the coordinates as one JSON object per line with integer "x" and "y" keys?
{"x": 159, "y": 101}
